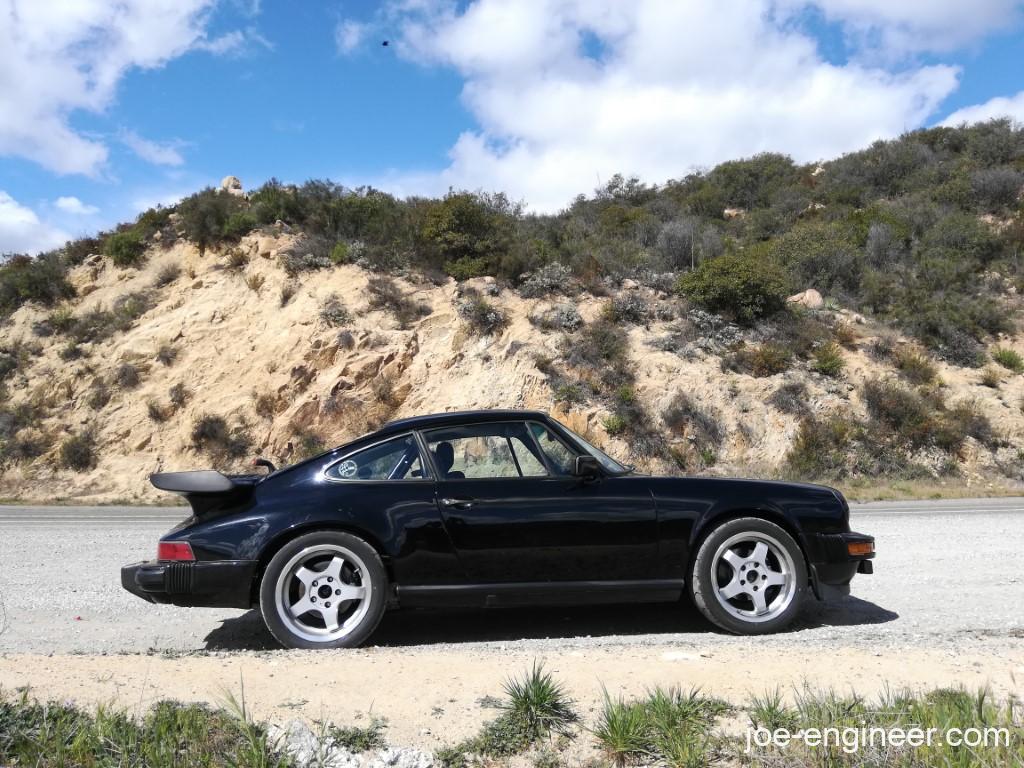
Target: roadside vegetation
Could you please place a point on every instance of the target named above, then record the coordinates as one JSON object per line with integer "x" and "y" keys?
{"x": 667, "y": 726}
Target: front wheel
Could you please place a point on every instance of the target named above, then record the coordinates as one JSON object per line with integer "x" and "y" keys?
{"x": 325, "y": 589}
{"x": 749, "y": 577}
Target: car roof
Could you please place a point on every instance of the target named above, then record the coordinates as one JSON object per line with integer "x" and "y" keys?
{"x": 458, "y": 417}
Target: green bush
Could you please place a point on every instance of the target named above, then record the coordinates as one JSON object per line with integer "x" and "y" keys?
{"x": 482, "y": 317}
{"x": 333, "y": 311}
{"x": 125, "y": 248}
{"x": 212, "y": 434}
{"x": 205, "y": 216}
{"x": 828, "y": 360}
{"x": 743, "y": 284}
{"x": 1010, "y": 359}
{"x": 387, "y": 295}
{"x": 78, "y": 452}
{"x": 42, "y": 279}
{"x": 915, "y": 367}
{"x": 763, "y": 360}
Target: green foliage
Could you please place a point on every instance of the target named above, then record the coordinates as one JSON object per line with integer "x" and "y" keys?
{"x": 78, "y": 452}
{"x": 210, "y": 216}
{"x": 211, "y": 433}
{"x": 340, "y": 253}
{"x": 356, "y": 738}
{"x": 125, "y": 248}
{"x": 169, "y": 735}
{"x": 828, "y": 360}
{"x": 42, "y": 279}
{"x": 1010, "y": 359}
{"x": 762, "y": 360}
{"x": 482, "y": 318}
{"x": 333, "y": 311}
{"x": 668, "y": 727}
{"x": 744, "y": 284}
{"x": 470, "y": 234}
{"x": 915, "y": 367}
{"x": 821, "y": 255}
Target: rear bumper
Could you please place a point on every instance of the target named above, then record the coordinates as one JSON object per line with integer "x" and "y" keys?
{"x": 832, "y": 567}
{"x": 216, "y": 584}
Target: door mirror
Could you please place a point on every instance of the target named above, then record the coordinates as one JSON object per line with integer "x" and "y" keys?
{"x": 587, "y": 467}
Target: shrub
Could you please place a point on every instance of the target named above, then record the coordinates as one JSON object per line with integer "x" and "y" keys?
{"x": 307, "y": 444}
{"x": 358, "y": 739}
{"x": 237, "y": 260}
{"x": 307, "y": 254}
{"x": 211, "y": 434}
{"x": 340, "y": 253}
{"x": 562, "y": 317}
{"x": 205, "y": 215}
{"x": 482, "y": 317}
{"x": 71, "y": 351}
{"x": 745, "y": 284}
{"x": 254, "y": 281}
{"x": 569, "y": 394}
{"x": 615, "y": 424}
{"x": 345, "y": 340}
{"x": 78, "y": 452}
{"x": 905, "y": 411}
{"x": 385, "y": 294}
{"x": 166, "y": 354}
{"x": 156, "y": 412}
{"x": 178, "y": 395}
{"x": 99, "y": 395}
{"x": 764, "y": 360}
{"x": 995, "y": 189}
{"x": 915, "y": 367}
{"x": 288, "y": 290}
{"x": 238, "y": 225}
{"x": 333, "y": 311}
{"x": 126, "y": 376}
{"x": 845, "y": 334}
{"x": 828, "y": 360}
{"x": 702, "y": 426}
{"x": 602, "y": 349}
{"x": 125, "y": 248}
{"x": 628, "y": 307}
{"x": 265, "y": 404}
{"x": 1010, "y": 359}
{"x": 167, "y": 274}
{"x": 549, "y": 279}
{"x": 821, "y": 447}
{"x": 790, "y": 398}
{"x": 42, "y": 279}
{"x": 991, "y": 377}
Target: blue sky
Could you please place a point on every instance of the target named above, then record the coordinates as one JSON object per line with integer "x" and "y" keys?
{"x": 107, "y": 109}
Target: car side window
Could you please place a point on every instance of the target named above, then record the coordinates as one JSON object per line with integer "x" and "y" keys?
{"x": 559, "y": 455}
{"x": 395, "y": 459}
{"x": 483, "y": 451}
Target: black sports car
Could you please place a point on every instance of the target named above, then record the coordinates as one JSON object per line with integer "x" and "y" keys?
{"x": 492, "y": 508}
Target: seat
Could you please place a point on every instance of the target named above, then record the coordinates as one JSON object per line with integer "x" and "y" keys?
{"x": 444, "y": 457}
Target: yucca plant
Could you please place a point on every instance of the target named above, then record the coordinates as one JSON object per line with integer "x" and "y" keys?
{"x": 539, "y": 702}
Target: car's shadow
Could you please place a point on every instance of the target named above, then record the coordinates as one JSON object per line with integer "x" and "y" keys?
{"x": 429, "y": 627}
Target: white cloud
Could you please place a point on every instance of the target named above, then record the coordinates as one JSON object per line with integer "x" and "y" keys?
{"x": 21, "y": 230}
{"x": 58, "y": 57}
{"x": 567, "y": 92}
{"x": 349, "y": 35}
{"x": 1001, "y": 106}
{"x": 238, "y": 42}
{"x": 74, "y": 206}
{"x": 910, "y": 26}
{"x": 152, "y": 151}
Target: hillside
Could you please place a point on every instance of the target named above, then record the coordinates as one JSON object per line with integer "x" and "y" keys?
{"x": 652, "y": 319}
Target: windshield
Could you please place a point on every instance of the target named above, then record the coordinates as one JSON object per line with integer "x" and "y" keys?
{"x": 606, "y": 461}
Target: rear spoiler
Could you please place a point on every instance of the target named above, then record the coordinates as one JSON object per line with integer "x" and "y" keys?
{"x": 207, "y": 490}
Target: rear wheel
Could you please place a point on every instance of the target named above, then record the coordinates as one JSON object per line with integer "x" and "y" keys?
{"x": 749, "y": 577}
{"x": 323, "y": 590}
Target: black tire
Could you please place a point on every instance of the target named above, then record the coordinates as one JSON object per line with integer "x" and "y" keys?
{"x": 330, "y": 543}
{"x": 707, "y": 576}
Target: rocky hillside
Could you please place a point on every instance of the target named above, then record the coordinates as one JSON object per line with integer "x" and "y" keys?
{"x": 854, "y": 321}
{"x": 190, "y": 360}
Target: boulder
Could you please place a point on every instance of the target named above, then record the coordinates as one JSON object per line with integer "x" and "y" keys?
{"x": 232, "y": 185}
{"x": 734, "y": 213}
{"x": 809, "y": 298}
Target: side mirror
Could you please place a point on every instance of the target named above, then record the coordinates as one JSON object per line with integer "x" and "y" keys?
{"x": 586, "y": 467}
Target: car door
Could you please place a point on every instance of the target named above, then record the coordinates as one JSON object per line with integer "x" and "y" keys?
{"x": 515, "y": 516}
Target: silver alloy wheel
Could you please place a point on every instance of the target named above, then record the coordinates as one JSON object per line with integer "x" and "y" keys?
{"x": 753, "y": 576}
{"x": 323, "y": 593}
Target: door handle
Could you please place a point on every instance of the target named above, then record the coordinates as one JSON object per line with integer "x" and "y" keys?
{"x": 457, "y": 503}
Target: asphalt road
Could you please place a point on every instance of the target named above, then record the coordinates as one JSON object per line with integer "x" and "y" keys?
{"x": 948, "y": 573}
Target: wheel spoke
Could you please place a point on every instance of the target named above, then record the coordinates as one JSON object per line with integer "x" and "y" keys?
{"x": 760, "y": 552}
{"x": 731, "y": 589}
{"x": 305, "y": 575}
{"x": 350, "y": 592}
{"x": 732, "y": 559}
{"x": 301, "y": 606}
{"x": 330, "y": 617}
{"x": 334, "y": 567}
{"x": 759, "y": 602}
{"x": 776, "y": 579}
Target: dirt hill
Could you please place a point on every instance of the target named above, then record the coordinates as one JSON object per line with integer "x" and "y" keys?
{"x": 190, "y": 360}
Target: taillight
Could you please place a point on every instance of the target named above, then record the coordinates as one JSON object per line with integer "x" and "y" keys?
{"x": 174, "y": 550}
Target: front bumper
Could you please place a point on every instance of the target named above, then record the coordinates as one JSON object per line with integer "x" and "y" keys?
{"x": 832, "y": 567}
{"x": 198, "y": 584}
